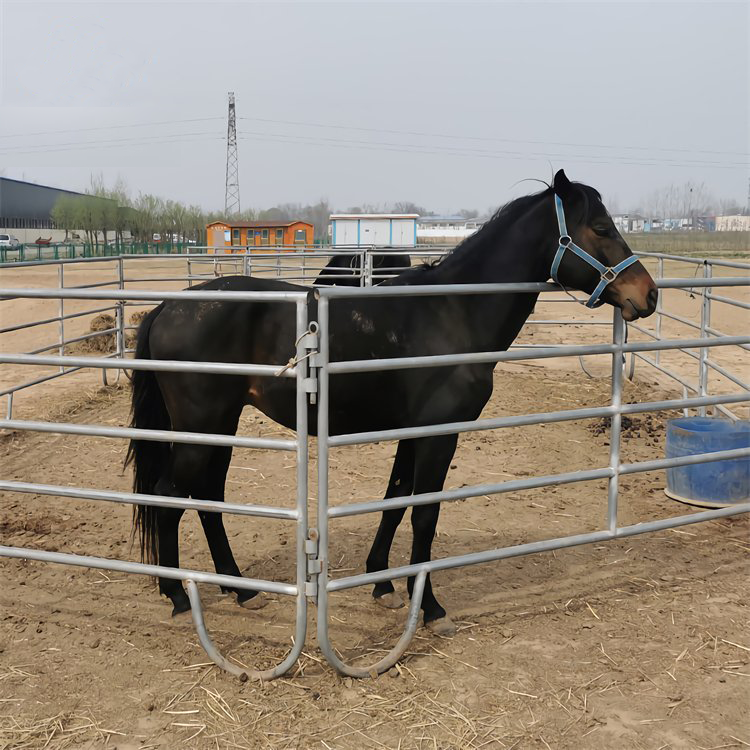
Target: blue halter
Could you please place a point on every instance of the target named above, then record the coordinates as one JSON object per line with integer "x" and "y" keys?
{"x": 608, "y": 275}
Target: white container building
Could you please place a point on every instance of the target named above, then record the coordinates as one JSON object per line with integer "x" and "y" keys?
{"x": 356, "y": 230}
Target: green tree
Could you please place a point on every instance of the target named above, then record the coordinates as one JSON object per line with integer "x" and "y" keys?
{"x": 63, "y": 214}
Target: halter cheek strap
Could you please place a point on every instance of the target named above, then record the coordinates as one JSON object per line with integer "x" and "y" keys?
{"x": 608, "y": 274}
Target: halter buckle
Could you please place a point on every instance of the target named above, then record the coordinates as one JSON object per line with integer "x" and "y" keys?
{"x": 565, "y": 240}
{"x": 609, "y": 275}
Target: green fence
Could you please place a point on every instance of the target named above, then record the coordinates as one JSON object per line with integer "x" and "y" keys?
{"x": 62, "y": 251}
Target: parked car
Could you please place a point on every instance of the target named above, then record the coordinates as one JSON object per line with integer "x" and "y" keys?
{"x": 8, "y": 240}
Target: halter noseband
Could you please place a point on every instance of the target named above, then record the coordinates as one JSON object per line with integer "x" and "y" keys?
{"x": 565, "y": 242}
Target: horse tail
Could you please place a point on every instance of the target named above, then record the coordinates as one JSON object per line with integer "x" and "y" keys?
{"x": 149, "y": 458}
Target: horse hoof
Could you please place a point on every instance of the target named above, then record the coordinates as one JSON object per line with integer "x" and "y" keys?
{"x": 256, "y": 602}
{"x": 391, "y": 600}
{"x": 443, "y": 626}
{"x": 181, "y": 613}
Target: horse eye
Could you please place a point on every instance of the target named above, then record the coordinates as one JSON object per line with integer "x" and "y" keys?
{"x": 602, "y": 231}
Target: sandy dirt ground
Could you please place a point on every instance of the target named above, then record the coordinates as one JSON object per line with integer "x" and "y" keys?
{"x": 640, "y": 643}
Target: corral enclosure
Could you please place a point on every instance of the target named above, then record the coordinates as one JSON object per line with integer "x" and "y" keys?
{"x": 639, "y": 642}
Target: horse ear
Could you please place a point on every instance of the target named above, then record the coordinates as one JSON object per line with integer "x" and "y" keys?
{"x": 561, "y": 184}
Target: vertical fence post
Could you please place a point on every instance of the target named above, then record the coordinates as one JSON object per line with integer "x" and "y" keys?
{"x": 120, "y": 312}
{"x": 618, "y": 337}
{"x": 705, "y": 323}
{"x": 61, "y": 310}
{"x": 363, "y": 257}
{"x": 323, "y": 409}
{"x": 302, "y": 479}
{"x": 659, "y": 306}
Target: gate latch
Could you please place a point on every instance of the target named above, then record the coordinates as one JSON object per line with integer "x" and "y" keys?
{"x": 314, "y": 564}
{"x": 309, "y": 342}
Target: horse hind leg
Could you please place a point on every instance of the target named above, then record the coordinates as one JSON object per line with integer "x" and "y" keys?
{"x": 216, "y": 535}
{"x": 401, "y": 484}
{"x": 167, "y": 549}
{"x": 189, "y": 465}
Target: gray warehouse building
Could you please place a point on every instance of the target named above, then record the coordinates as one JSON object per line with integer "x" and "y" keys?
{"x": 26, "y": 205}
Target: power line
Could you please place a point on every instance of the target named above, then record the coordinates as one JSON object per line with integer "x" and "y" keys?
{"x": 163, "y": 141}
{"x": 489, "y": 138}
{"x": 112, "y": 127}
{"x": 100, "y": 142}
{"x": 414, "y": 148}
{"x": 464, "y": 151}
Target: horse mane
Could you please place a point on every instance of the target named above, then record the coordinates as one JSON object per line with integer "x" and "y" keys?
{"x": 498, "y": 224}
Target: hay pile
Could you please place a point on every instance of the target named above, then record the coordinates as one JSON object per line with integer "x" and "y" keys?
{"x": 135, "y": 320}
{"x": 105, "y": 343}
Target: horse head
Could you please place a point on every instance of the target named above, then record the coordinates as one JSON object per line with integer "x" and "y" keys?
{"x": 593, "y": 256}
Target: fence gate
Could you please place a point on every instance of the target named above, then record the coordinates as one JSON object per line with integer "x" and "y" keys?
{"x": 297, "y": 369}
{"x": 612, "y": 530}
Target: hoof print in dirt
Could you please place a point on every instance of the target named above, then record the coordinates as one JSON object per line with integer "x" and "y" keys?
{"x": 443, "y": 626}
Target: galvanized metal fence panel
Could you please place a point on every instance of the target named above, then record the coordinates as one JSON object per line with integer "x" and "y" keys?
{"x": 612, "y": 472}
{"x": 312, "y": 576}
{"x": 298, "y": 370}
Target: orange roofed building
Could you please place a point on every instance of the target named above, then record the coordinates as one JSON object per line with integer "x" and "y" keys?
{"x": 235, "y": 236}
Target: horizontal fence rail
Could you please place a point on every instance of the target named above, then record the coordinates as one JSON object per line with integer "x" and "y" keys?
{"x": 166, "y": 501}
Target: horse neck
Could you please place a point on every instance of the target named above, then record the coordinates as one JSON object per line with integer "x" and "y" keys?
{"x": 520, "y": 252}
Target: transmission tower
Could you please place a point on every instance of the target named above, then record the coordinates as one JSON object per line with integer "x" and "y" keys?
{"x": 232, "y": 193}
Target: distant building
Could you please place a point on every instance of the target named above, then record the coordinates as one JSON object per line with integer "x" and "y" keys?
{"x": 26, "y": 207}
{"x": 675, "y": 225}
{"x": 625, "y": 223}
{"x": 446, "y": 229}
{"x": 355, "y": 230}
{"x": 237, "y": 235}
{"x": 736, "y": 223}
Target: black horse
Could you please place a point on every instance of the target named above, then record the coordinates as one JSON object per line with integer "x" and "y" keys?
{"x": 519, "y": 244}
{"x": 346, "y": 270}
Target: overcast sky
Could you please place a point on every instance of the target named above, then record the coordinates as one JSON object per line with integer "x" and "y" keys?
{"x": 444, "y": 104}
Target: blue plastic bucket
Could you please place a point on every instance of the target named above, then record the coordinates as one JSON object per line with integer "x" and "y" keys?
{"x": 717, "y": 484}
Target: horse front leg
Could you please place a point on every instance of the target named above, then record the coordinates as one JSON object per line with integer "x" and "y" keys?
{"x": 401, "y": 484}
{"x": 432, "y": 460}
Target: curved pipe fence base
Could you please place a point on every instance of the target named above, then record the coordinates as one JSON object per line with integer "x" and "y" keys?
{"x": 392, "y": 656}
{"x": 220, "y": 660}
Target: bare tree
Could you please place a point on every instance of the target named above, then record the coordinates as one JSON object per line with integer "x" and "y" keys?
{"x": 728, "y": 207}
{"x": 468, "y": 213}
{"x": 407, "y": 207}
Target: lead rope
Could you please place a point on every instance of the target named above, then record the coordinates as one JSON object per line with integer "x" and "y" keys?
{"x": 570, "y": 294}
{"x": 630, "y": 374}
{"x": 294, "y": 361}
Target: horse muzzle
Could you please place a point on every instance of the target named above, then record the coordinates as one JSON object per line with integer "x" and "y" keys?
{"x": 636, "y": 298}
